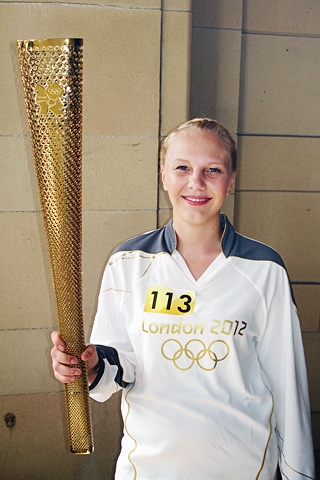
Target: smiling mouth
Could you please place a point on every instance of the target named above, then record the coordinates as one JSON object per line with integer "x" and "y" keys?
{"x": 197, "y": 200}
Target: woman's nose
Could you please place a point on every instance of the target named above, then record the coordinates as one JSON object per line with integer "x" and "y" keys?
{"x": 196, "y": 180}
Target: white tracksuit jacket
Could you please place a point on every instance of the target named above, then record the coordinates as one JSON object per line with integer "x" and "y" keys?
{"x": 213, "y": 371}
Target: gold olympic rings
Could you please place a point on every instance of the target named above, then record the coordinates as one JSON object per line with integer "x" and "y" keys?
{"x": 195, "y": 351}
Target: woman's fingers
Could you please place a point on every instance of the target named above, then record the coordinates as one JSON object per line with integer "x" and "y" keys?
{"x": 61, "y": 361}
{"x": 57, "y": 342}
{"x": 63, "y": 373}
{"x": 64, "y": 365}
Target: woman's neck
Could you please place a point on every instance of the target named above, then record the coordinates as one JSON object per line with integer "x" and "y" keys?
{"x": 201, "y": 239}
{"x": 199, "y": 247}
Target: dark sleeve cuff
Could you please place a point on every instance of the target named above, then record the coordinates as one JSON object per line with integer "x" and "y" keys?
{"x": 111, "y": 355}
{"x": 100, "y": 368}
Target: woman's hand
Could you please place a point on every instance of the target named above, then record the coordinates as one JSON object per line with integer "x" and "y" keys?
{"x": 61, "y": 361}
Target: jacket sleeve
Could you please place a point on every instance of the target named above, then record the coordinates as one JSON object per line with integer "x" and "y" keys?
{"x": 109, "y": 334}
{"x": 281, "y": 355}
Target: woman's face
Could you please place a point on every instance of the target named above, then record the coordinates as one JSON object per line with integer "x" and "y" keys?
{"x": 197, "y": 175}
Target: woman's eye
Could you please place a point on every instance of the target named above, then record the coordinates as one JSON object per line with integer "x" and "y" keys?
{"x": 214, "y": 170}
{"x": 182, "y": 167}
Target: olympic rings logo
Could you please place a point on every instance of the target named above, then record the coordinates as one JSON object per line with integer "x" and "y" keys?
{"x": 195, "y": 351}
{"x": 54, "y": 92}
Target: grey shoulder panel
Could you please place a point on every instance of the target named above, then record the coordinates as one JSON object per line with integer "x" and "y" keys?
{"x": 236, "y": 245}
{"x": 156, "y": 241}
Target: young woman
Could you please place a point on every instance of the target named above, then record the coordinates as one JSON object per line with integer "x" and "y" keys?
{"x": 198, "y": 326}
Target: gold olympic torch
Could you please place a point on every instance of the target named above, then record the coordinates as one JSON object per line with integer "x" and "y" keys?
{"x": 51, "y": 72}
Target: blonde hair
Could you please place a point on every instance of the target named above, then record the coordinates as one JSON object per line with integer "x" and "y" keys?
{"x": 205, "y": 124}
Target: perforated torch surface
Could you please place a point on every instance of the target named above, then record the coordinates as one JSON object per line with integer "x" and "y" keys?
{"x": 51, "y": 72}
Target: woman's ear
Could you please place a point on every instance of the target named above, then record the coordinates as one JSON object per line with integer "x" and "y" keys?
{"x": 231, "y": 182}
{"x": 163, "y": 178}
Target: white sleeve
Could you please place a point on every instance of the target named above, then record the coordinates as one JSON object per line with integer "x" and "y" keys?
{"x": 281, "y": 355}
{"x": 109, "y": 329}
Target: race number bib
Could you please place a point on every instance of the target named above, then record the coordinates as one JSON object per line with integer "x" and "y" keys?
{"x": 164, "y": 300}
